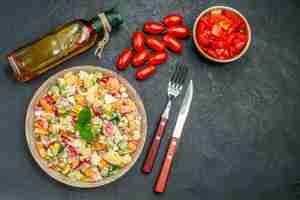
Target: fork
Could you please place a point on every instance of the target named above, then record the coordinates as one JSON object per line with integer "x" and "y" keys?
{"x": 174, "y": 88}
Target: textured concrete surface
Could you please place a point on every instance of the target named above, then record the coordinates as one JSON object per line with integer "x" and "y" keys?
{"x": 241, "y": 139}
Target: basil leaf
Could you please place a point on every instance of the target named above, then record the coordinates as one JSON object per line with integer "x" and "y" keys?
{"x": 84, "y": 116}
{"x": 115, "y": 118}
{"x": 84, "y": 126}
{"x": 113, "y": 169}
{"x": 86, "y": 132}
{"x": 78, "y": 126}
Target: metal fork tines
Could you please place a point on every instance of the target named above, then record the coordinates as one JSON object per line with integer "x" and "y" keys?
{"x": 174, "y": 89}
{"x": 175, "y": 86}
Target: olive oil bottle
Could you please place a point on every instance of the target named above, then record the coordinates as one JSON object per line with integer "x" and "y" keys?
{"x": 62, "y": 44}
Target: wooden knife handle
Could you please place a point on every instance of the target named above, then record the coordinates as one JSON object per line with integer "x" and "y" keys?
{"x": 154, "y": 147}
{"x": 161, "y": 182}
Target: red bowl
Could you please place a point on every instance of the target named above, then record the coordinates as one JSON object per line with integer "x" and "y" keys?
{"x": 199, "y": 46}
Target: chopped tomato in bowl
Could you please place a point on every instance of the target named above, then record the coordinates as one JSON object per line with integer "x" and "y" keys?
{"x": 222, "y": 34}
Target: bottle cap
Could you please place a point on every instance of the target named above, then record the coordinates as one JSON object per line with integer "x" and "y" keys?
{"x": 108, "y": 20}
{"x": 114, "y": 18}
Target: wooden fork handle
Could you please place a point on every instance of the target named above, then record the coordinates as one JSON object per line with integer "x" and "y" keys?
{"x": 161, "y": 182}
{"x": 155, "y": 144}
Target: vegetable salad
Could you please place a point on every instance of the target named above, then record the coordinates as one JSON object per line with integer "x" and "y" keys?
{"x": 86, "y": 126}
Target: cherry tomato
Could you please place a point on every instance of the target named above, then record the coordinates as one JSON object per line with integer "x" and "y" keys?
{"x": 97, "y": 110}
{"x": 220, "y": 53}
{"x": 158, "y": 58}
{"x": 153, "y": 27}
{"x": 49, "y": 99}
{"x": 124, "y": 59}
{"x": 226, "y": 54}
{"x": 203, "y": 38}
{"x": 140, "y": 58}
{"x": 138, "y": 40}
{"x": 234, "y": 18}
{"x": 212, "y": 52}
{"x": 179, "y": 31}
{"x": 172, "y": 44}
{"x": 154, "y": 43}
{"x": 233, "y": 51}
{"x": 173, "y": 19}
{"x": 230, "y": 38}
{"x": 239, "y": 45}
{"x": 145, "y": 72}
{"x": 220, "y": 44}
{"x": 217, "y": 30}
{"x": 206, "y": 20}
{"x": 201, "y": 27}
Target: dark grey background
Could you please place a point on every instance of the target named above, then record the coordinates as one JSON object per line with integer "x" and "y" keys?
{"x": 241, "y": 140}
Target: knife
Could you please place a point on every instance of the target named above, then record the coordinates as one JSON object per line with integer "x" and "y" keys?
{"x": 161, "y": 182}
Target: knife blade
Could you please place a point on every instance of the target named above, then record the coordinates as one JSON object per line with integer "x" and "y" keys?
{"x": 184, "y": 110}
{"x": 161, "y": 182}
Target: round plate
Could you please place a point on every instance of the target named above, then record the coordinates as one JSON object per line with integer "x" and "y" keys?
{"x": 31, "y": 139}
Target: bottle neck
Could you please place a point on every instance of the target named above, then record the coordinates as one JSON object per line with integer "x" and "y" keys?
{"x": 97, "y": 25}
{"x": 106, "y": 21}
